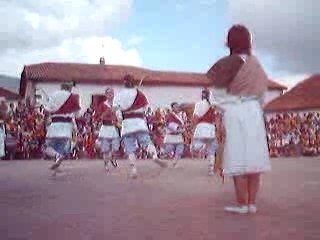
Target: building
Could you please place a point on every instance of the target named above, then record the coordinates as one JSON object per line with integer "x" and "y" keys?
{"x": 161, "y": 87}
{"x": 304, "y": 97}
{"x": 9, "y": 96}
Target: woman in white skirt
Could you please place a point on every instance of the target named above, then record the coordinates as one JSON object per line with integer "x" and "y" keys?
{"x": 240, "y": 83}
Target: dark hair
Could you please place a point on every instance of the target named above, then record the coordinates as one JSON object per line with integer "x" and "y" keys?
{"x": 174, "y": 103}
{"x": 130, "y": 81}
{"x": 239, "y": 40}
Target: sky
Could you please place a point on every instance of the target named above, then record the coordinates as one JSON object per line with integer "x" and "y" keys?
{"x": 175, "y": 35}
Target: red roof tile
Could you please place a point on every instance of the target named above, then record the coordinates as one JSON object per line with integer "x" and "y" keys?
{"x": 102, "y": 74}
{"x": 273, "y": 85}
{"x": 8, "y": 94}
{"x": 97, "y": 73}
{"x": 303, "y": 96}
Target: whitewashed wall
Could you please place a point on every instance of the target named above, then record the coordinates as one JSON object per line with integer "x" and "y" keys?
{"x": 159, "y": 96}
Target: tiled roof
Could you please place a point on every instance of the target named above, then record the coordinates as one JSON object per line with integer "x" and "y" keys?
{"x": 8, "y": 94}
{"x": 97, "y": 73}
{"x": 273, "y": 85}
{"x": 106, "y": 74}
{"x": 304, "y": 96}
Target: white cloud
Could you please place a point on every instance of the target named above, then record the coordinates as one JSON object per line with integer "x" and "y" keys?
{"x": 37, "y": 24}
{"x": 82, "y": 50}
{"x": 135, "y": 40}
{"x": 288, "y": 30}
{"x": 34, "y": 31}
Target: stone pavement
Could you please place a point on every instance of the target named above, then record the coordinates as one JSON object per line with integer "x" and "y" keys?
{"x": 82, "y": 202}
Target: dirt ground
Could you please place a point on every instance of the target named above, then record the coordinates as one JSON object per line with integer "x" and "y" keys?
{"x": 82, "y": 202}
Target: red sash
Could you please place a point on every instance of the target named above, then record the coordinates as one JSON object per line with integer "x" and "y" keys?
{"x": 209, "y": 116}
{"x": 139, "y": 102}
{"x": 70, "y": 106}
{"x": 105, "y": 113}
{"x": 171, "y": 117}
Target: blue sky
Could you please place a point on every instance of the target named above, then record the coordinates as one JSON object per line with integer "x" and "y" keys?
{"x": 172, "y": 35}
{"x": 178, "y": 36}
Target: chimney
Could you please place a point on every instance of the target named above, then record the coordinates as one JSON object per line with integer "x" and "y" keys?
{"x": 102, "y": 61}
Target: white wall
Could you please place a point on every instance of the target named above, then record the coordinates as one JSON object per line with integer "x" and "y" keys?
{"x": 159, "y": 96}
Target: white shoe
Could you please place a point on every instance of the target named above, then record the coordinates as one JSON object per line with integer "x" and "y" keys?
{"x": 252, "y": 208}
{"x": 210, "y": 173}
{"x": 237, "y": 209}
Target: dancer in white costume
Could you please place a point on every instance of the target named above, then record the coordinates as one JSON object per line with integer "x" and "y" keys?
{"x": 62, "y": 106}
{"x": 240, "y": 84}
{"x": 108, "y": 139}
{"x": 204, "y": 136}
{"x": 133, "y": 103}
{"x": 3, "y": 114}
{"x": 173, "y": 140}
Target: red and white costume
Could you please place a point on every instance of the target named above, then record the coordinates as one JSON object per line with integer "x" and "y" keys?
{"x": 205, "y": 128}
{"x": 173, "y": 122}
{"x": 132, "y": 103}
{"x": 63, "y": 106}
{"x": 2, "y": 137}
{"x": 108, "y": 128}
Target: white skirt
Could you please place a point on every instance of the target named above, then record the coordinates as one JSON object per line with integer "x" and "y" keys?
{"x": 2, "y": 142}
{"x": 246, "y": 149}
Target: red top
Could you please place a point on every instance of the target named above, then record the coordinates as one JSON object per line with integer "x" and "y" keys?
{"x": 139, "y": 102}
{"x": 70, "y": 106}
{"x": 209, "y": 116}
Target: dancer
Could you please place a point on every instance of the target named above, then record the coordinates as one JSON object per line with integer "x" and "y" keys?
{"x": 240, "y": 83}
{"x": 204, "y": 138}
{"x": 62, "y": 106}
{"x": 3, "y": 116}
{"x": 108, "y": 139}
{"x": 132, "y": 103}
{"x": 173, "y": 141}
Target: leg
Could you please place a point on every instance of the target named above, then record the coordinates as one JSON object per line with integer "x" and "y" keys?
{"x": 168, "y": 150}
{"x": 130, "y": 147}
{"x": 145, "y": 141}
{"x": 106, "y": 159}
{"x": 178, "y": 153}
{"x": 253, "y": 188}
{"x": 50, "y": 150}
{"x": 211, "y": 152}
{"x": 63, "y": 148}
{"x": 115, "y": 146}
{"x": 241, "y": 187}
{"x": 104, "y": 146}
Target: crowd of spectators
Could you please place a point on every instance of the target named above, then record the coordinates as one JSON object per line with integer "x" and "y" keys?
{"x": 289, "y": 134}
{"x": 294, "y": 134}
